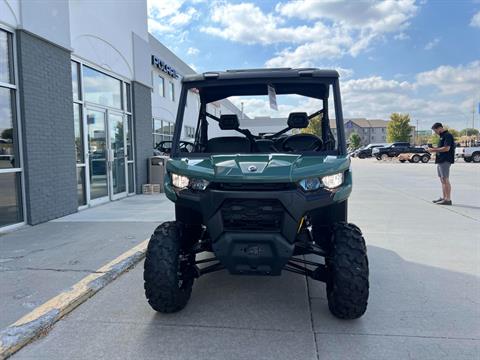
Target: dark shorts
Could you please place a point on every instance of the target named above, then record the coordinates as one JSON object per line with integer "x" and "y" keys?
{"x": 443, "y": 169}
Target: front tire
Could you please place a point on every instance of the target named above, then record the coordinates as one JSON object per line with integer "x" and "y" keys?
{"x": 167, "y": 280}
{"x": 347, "y": 266}
{"x": 476, "y": 157}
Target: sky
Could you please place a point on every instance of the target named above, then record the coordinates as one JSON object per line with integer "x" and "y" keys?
{"x": 416, "y": 57}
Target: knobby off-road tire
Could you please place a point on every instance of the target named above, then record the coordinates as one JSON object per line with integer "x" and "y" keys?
{"x": 347, "y": 266}
{"x": 165, "y": 289}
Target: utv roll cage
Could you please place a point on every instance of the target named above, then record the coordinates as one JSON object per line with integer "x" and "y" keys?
{"x": 214, "y": 86}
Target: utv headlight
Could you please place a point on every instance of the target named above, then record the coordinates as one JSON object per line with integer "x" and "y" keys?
{"x": 333, "y": 181}
{"x": 183, "y": 182}
{"x": 198, "y": 184}
{"x": 310, "y": 184}
{"x": 179, "y": 181}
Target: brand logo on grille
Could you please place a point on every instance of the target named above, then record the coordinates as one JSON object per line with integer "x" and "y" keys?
{"x": 252, "y": 168}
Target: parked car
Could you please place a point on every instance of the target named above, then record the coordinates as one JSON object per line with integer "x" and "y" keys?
{"x": 468, "y": 154}
{"x": 395, "y": 149}
{"x": 415, "y": 157}
{"x": 366, "y": 151}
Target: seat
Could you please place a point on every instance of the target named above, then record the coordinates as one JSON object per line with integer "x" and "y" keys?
{"x": 302, "y": 142}
{"x": 264, "y": 145}
{"x": 228, "y": 145}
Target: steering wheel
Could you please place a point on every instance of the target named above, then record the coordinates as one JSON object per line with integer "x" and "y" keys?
{"x": 166, "y": 146}
{"x": 186, "y": 146}
{"x": 302, "y": 142}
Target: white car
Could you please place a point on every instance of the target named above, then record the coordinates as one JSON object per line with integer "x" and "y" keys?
{"x": 468, "y": 154}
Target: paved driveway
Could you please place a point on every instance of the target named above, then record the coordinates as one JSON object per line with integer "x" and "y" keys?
{"x": 424, "y": 302}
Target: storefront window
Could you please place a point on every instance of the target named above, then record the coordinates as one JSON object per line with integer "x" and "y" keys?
{"x": 127, "y": 98}
{"x": 162, "y": 131}
{"x": 11, "y": 210}
{"x": 10, "y": 199}
{"x": 172, "y": 91}
{"x": 76, "y": 81}
{"x": 81, "y": 196}
{"x": 77, "y": 124}
{"x": 102, "y": 89}
{"x": 161, "y": 86}
{"x": 8, "y": 142}
{"x": 6, "y": 66}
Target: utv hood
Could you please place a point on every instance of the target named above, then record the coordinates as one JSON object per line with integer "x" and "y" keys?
{"x": 258, "y": 167}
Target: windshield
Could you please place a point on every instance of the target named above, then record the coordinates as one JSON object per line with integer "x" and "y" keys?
{"x": 241, "y": 120}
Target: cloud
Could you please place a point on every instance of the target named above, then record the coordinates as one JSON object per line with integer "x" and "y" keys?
{"x": 169, "y": 16}
{"x": 444, "y": 93}
{"x": 475, "y": 22}
{"x": 332, "y": 29}
{"x": 378, "y": 16}
{"x": 452, "y": 79}
{"x": 192, "y": 51}
{"x": 431, "y": 44}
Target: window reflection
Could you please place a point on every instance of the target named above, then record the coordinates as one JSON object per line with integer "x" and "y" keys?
{"x": 10, "y": 199}
{"x": 75, "y": 81}
{"x": 101, "y": 89}
{"x": 77, "y": 123}
{"x": 5, "y": 57}
{"x": 7, "y": 135}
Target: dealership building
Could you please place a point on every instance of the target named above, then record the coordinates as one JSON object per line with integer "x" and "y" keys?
{"x": 85, "y": 92}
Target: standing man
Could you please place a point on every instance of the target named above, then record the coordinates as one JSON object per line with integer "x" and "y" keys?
{"x": 444, "y": 159}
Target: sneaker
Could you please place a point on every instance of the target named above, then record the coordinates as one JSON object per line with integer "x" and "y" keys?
{"x": 445, "y": 202}
{"x": 437, "y": 201}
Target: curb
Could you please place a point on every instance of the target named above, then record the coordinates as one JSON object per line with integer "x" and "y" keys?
{"x": 40, "y": 320}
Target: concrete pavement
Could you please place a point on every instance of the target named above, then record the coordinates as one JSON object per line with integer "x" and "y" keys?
{"x": 37, "y": 263}
{"x": 424, "y": 300}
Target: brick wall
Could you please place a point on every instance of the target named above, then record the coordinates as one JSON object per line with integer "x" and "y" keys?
{"x": 142, "y": 129}
{"x": 45, "y": 89}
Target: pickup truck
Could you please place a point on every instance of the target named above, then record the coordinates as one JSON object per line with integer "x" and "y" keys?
{"x": 395, "y": 149}
{"x": 468, "y": 154}
{"x": 366, "y": 151}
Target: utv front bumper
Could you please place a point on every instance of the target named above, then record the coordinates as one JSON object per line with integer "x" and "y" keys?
{"x": 253, "y": 230}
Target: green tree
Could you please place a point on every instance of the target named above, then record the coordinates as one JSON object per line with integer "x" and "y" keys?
{"x": 354, "y": 140}
{"x": 398, "y": 128}
{"x": 314, "y": 127}
{"x": 7, "y": 134}
{"x": 469, "y": 132}
{"x": 455, "y": 133}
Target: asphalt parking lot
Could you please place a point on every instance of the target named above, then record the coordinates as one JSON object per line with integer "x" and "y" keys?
{"x": 424, "y": 299}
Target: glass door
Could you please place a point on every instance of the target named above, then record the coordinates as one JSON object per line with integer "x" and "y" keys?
{"x": 97, "y": 155}
{"x": 117, "y": 156}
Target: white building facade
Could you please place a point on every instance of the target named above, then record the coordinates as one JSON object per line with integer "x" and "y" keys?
{"x": 85, "y": 92}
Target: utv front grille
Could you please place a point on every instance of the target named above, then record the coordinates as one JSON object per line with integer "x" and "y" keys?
{"x": 253, "y": 186}
{"x": 252, "y": 215}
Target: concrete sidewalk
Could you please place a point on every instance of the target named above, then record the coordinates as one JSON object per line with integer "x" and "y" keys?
{"x": 37, "y": 263}
{"x": 424, "y": 291}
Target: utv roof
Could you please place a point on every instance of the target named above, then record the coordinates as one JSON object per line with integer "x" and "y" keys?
{"x": 275, "y": 73}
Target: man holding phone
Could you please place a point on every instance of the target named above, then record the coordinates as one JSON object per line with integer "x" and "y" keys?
{"x": 444, "y": 159}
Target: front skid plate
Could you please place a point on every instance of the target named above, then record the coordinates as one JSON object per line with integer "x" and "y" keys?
{"x": 253, "y": 252}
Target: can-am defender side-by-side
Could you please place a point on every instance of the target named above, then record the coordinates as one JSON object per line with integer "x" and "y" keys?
{"x": 258, "y": 200}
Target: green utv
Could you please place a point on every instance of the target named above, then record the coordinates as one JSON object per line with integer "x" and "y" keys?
{"x": 258, "y": 201}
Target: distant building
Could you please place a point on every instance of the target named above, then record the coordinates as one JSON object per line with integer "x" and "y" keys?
{"x": 370, "y": 131}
